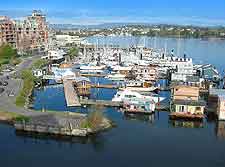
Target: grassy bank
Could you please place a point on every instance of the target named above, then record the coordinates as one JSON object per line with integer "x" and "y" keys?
{"x": 10, "y": 117}
{"x": 28, "y": 85}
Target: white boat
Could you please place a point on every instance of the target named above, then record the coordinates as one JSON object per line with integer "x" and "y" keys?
{"x": 116, "y": 77}
{"x": 125, "y": 95}
{"x": 92, "y": 67}
{"x": 140, "y": 89}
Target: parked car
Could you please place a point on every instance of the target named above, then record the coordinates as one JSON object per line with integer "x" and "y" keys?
{"x": 5, "y": 83}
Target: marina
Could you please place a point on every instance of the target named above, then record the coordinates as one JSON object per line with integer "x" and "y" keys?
{"x": 112, "y": 83}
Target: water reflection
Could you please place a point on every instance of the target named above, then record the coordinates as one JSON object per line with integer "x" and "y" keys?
{"x": 186, "y": 124}
{"x": 97, "y": 141}
{"x": 140, "y": 117}
{"x": 220, "y": 130}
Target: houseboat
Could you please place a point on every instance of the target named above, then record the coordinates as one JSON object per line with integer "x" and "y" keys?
{"x": 186, "y": 104}
{"x": 138, "y": 106}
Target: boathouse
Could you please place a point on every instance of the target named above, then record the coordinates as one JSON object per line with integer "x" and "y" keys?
{"x": 82, "y": 86}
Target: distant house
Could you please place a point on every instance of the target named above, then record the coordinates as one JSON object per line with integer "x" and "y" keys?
{"x": 185, "y": 100}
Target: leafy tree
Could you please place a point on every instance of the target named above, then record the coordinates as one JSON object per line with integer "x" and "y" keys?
{"x": 73, "y": 52}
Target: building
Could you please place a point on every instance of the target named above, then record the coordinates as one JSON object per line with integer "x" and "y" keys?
{"x": 83, "y": 86}
{"x": 7, "y": 31}
{"x": 183, "y": 67}
{"x": 216, "y": 101}
{"x": 63, "y": 40}
{"x": 186, "y": 101}
{"x": 25, "y": 35}
{"x": 56, "y": 56}
{"x": 208, "y": 72}
{"x": 146, "y": 72}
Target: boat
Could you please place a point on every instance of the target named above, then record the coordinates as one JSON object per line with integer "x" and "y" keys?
{"x": 92, "y": 67}
{"x": 125, "y": 95}
{"x": 138, "y": 106}
{"x": 116, "y": 77}
{"x": 140, "y": 89}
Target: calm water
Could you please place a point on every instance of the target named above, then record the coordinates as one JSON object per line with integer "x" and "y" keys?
{"x": 136, "y": 141}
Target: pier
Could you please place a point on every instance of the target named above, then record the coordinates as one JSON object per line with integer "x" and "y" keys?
{"x": 106, "y": 103}
{"x": 72, "y": 99}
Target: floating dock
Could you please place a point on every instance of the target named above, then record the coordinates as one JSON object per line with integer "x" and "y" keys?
{"x": 106, "y": 103}
{"x": 186, "y": 116}
{"x": 72, "y": 99}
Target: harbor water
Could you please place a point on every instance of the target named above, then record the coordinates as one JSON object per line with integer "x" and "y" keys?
{"x": 135, "y": 141}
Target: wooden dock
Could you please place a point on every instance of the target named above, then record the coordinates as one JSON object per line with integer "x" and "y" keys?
{"x": 72, "y": 99}
{"x": 106, "y": 103}
{"x": 105, "y": 86}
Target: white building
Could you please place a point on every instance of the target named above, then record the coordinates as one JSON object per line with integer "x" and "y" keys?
{"x": 183, "y": 67}
{"x": 55, "y": 55}
{"x": 67, "y": 39}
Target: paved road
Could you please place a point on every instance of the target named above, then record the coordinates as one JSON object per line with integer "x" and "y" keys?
{"x": 8, "y": 97}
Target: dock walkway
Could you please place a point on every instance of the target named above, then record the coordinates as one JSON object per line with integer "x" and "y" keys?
{"x": 71, "y": 96}
{"x": 106, "y": 103}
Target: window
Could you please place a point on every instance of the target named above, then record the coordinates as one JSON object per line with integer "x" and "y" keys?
{"x": 198, "y": 108}
{"x": 181, "y": 108}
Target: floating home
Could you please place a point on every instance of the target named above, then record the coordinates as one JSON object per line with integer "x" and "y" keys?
{"x": 136, "y": 105}
{"x": 186, "y": 103}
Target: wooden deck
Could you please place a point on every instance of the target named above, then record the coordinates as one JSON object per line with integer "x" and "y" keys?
{"x": 185, "y": 116}
{"x": 72, "y": 99}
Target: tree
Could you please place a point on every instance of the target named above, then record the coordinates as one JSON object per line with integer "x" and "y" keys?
{"x": 73, "y": 52}
{"x": 7, "y": 53}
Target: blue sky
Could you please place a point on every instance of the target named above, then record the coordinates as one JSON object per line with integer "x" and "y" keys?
{"x": 198, "y": 12}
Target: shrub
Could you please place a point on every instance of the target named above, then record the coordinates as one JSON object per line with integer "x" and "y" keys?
{"x": 93, "y": 120}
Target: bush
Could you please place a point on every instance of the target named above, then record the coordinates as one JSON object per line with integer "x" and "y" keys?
{"x": 93, "y": 120}
{"x": 7, "y": 53}
{"x": 39, "y": 64}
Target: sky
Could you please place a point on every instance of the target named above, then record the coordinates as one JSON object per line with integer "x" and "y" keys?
{"x": 92, "y": 12}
